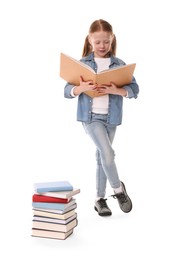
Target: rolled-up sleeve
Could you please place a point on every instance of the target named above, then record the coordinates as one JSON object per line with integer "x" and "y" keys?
{"x": 132, "y": 89}
{"x": 68, "y": 91}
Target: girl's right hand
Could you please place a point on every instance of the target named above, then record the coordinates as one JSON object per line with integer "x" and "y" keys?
{"x": 84, "y": 86}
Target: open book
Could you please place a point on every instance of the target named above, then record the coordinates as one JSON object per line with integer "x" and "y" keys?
{"x": 71, "y": 70}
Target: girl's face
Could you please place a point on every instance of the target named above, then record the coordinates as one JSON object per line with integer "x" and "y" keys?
{"x": 101, "y": 43}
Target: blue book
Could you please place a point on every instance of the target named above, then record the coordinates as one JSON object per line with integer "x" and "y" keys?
{"x": 49, "y": 205}
{"x": 53, "y": 186}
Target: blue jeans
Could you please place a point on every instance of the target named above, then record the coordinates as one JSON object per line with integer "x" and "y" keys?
{"x": 102, "y": 135}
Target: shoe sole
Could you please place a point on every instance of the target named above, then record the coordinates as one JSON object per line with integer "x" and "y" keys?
{"x": 103, "y": 214}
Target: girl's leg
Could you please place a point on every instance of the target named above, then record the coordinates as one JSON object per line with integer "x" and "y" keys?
{"x": 102, "y": 136}
{"x": 101, "y": 178}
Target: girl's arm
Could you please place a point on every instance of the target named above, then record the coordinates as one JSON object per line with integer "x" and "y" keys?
{"x": 71, "y": 91}
{"x": 129, "y": 91}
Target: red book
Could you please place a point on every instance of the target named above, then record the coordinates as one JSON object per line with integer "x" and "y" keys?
{"x": 42, "y": 198}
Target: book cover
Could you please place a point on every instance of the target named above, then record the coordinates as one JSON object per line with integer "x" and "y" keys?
{"x": 55, "y": 226}
{"x": 52, "y": 186}
{"x": 51, "y": 234}
{"x": 61, "y": 194}
{"x": 43, "y": 198}
{"x": 71, "y": 70}
{"x": 57, "y": 211}
{"x": 47, "y": 214}
{"x": 49, "y": 205}
{"x": 55, "y": 220}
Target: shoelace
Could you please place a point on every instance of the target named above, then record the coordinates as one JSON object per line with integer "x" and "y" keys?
{"x": 120, "y": 196}
{"x": 103, "y": 203}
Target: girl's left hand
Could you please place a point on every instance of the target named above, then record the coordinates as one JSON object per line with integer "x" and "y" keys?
{"x": 107, "y": 89}
{"x": 111, "y": 89}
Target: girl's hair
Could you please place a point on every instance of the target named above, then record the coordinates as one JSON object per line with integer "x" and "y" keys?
{"x": 97, "y": 26}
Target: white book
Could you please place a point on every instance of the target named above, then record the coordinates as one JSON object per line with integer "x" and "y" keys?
{"x": 54, "y": 226}
{"x": 55, "y": 220}
{"x": 51, "y": 234}
{"x": 54, "y": 215}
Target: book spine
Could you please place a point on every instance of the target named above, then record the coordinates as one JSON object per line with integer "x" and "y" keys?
{"x": 46, "y": 205}
{"x": 47, "y": 189}
{"x": 42, "y": 198}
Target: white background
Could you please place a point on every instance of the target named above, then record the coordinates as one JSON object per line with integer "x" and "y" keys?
{"x": 40, "y": 139}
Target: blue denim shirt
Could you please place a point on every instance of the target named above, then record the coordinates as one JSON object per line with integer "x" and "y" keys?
{"x": 84, "y": 106}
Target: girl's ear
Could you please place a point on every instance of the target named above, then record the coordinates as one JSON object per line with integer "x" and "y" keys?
{"x": 89, "y": 40}
{"x": 113, "y": 37}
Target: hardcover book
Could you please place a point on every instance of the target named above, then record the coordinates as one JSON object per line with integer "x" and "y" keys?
{"x": 61, "y": 194}
{"x": 52, "y": 186}
{"x": 71, "y": 70}
{"x": 55, "y": 220}
{"x": 58, "y": 211}
{"x": 42, "y": 198}
{"x": 51, "y": 234}
{"x": 55, "y": 226}
{"x": 47, "y": 214}
{"x": 49, "y": 205}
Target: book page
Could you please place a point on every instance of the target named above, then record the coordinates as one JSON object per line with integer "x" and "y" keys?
{"x": 120, "y": 75}
{"x": 71, "y": 70}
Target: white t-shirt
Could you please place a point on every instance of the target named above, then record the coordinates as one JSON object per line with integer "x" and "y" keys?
{"x": 100, "y": 104}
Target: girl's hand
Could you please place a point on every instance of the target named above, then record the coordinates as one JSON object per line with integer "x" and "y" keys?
{"x": 112, "y": 89}
{"x": 84, "y": 86}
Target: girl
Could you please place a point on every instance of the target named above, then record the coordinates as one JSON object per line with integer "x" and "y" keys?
{"x": 101, "y": 115}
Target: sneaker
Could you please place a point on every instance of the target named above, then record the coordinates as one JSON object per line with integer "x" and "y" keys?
{"x": 123, "y": 199}
{"x": 102, "y": 208}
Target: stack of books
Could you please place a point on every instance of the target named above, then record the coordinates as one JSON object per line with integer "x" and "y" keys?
{"x": 54, "y": 206}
